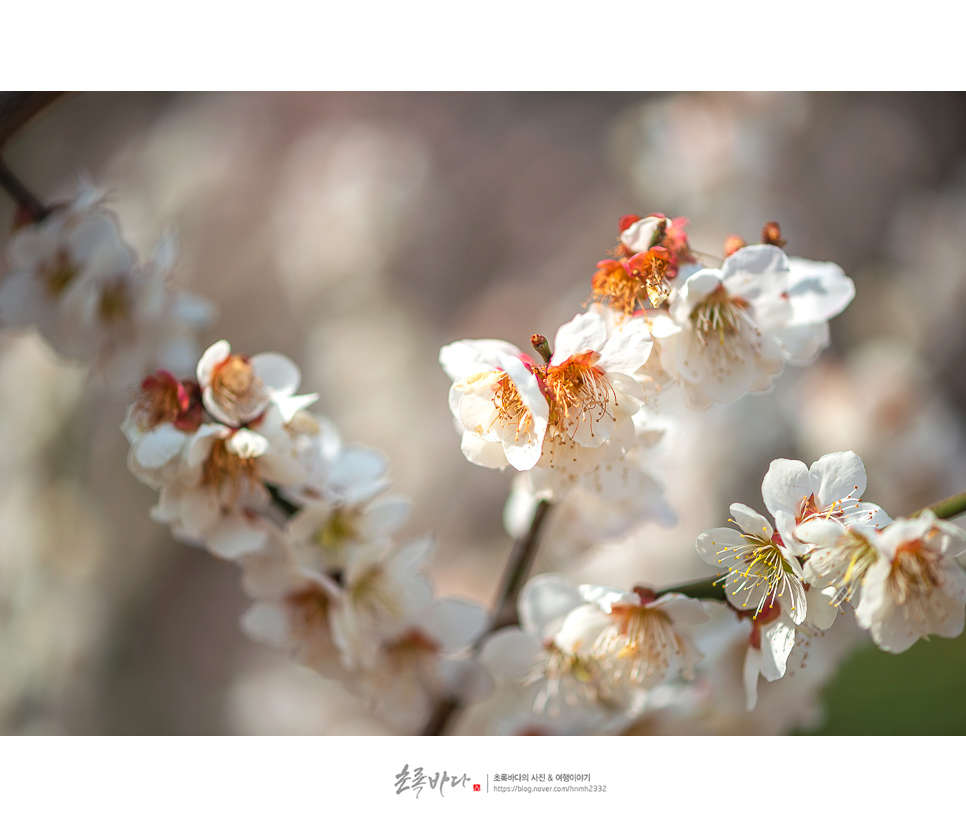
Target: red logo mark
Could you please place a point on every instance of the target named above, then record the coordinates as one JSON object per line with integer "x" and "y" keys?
{"x": 476, "y": 787}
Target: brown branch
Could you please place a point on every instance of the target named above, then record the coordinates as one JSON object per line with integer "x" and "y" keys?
{"x": 504, "y": 610}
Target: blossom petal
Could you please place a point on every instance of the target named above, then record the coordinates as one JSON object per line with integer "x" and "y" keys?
{"x": 785, "y": 485}
{"x": 585, "y": 332}
{"x": 278, "y": 372}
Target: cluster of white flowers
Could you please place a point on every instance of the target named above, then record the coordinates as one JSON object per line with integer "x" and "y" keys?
{"x": 73, "y": 277}
{"x": 247, "y": 472}
{"x": 329, "y": 584}
{"x": 829, "y": 552}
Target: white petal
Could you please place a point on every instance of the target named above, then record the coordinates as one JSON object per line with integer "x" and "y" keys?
{"x": 628, "y": 348}
{"x": 455, "y": 623}
{"x": 267, "y": 622}
{"x": 483, "y": 452}
{"x": 278, "y": 372}
{"x": 511, "y": 653}
{"x": 157, "y": 447}
{"x": 585, "y": 332}
{"x": 234, "y": 536}
{"x": 818, "y": 290}
{"x": 751, "y": 522}
{"x": 777, "y": 642}
{"x": 681, "y": 609}
{"x": 545, "y": 600}
{"x": 839, "y": 475}
{"x": 210, "y": 359}
{"x": 785, "y": 485}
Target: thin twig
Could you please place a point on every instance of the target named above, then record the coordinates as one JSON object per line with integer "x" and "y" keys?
{"x": 22, "y": 196}
{"x": 504, "y": 609}
{"x": 947, "y": 508}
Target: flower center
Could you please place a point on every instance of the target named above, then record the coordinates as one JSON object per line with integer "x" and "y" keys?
{"x": 510, "y": 408}
{"x": 612, "y": 283}
{"x": 238, "y": 389}
{"x": 720, "y": 316}
{"x": 58, "y": 273}
{"x": 115, "y": 304}
{"x": 308, "y": 613}
{"x": 161, "y": 399}
{"x": 650, "y": 269}
{"x": 760, "y": 567}
{"x": 564, "y": 677}
{"x": 340, "y": 527}
{"x": 642, "y": 635}
{"x": 915, "y": 575}
{"x": 224, "y": 468}
{"x": 854, "y": 556}
{"x": 577, "y": 390}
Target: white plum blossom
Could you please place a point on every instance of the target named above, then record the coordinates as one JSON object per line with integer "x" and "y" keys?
{"x": 830, "y": 488}
{"x": 761, "y": 571}
{"x": 237, "y": 389}
{"x": 292, "y": 608}
{"x": 497, "y": 403}
{"x": 588, "y": 380}
{"x": 558, "y": 677}
{"x": 219, "y": 493}
{"x": 641, "y": 637}
{"x": 840, "y": 557}
{"x": 517, "y": 412}
{"x": 418, "y": 663}
{"x": 57, "y": 265}
{"x": 342, "y": 505}
{"x": 551, "y": 655}
{"x": 384, "y": 587}
{"x": 742, "y": 322}
{"x": 917, "y": 587}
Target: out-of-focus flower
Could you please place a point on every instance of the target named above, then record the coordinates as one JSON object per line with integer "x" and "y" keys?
{"x": 642, "y": 638}
{"x": 417, "y": 664}
{"x": 559, "y": 678}
{"x": 74, "y": 278}
{"x": 917, "y": 588}
{"x": 237, "y": 389}
{"x": 384, "y": 587}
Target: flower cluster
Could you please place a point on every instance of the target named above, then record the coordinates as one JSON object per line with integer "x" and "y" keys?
{"x": 657, "y": 321}
{"x": 73, "y": 277}
{"x": 828, "y": 552}
{"x": 234, "y": 452}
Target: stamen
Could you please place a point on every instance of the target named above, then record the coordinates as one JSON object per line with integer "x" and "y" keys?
{"x": 577, "y": 390}
{"x": 510, "y": 408}
{"x": 720, "y": 314}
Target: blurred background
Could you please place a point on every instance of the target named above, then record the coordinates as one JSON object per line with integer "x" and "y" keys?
{"x": 358, "y": 233}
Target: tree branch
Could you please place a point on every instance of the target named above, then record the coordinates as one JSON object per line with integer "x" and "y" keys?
{"x": 504, "y": 609}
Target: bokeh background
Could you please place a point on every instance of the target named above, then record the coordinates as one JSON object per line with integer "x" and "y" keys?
{"x": 360, "y": 232}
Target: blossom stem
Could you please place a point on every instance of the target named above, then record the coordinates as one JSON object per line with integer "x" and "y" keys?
{"x": 281, "y": 501}
{"x": 947, "y": 508}
{"x": 26, "y": 201}
{"x": 710, "y": 588}
{"x": 504, "y": 610}
{"x": 518, "y": 569}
